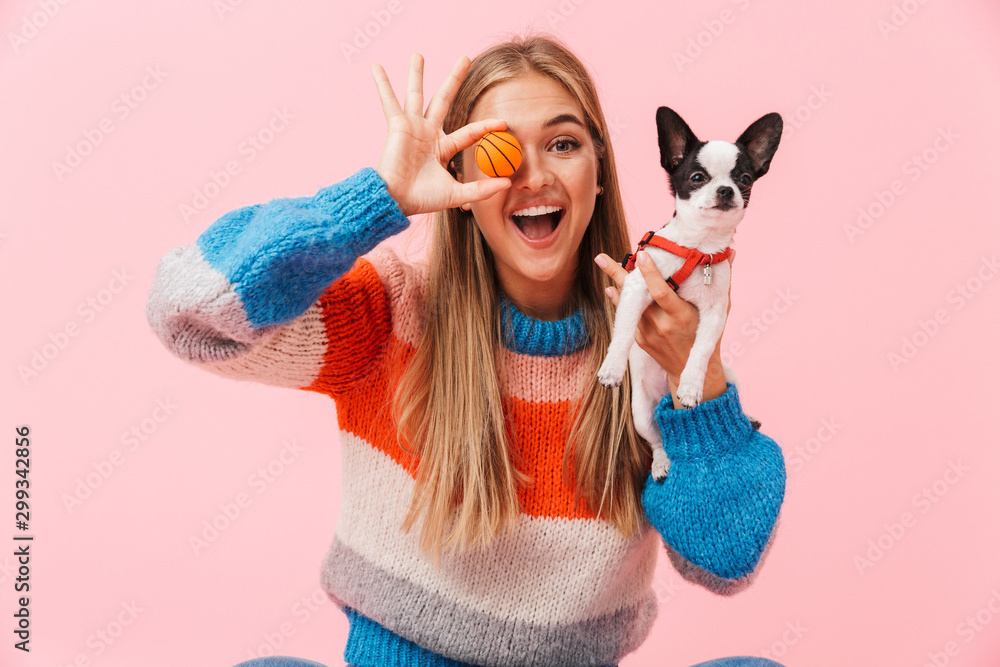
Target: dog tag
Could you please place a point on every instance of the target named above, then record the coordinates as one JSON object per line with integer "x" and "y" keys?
{"x": 708, "y": 274}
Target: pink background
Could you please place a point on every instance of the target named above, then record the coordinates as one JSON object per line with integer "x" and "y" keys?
{"x": 863, "y": 437}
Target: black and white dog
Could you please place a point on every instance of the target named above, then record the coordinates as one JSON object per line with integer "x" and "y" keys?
{"x": 711, "y": 183}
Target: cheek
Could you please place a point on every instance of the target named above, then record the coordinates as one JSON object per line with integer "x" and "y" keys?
{"x": 488, "y": 217}
{"x": 582, "y": 187}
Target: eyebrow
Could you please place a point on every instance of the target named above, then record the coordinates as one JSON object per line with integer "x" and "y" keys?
{"x": 555, "y": 120}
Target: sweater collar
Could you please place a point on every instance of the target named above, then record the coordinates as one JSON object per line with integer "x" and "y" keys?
{"x": 541, "y": 338}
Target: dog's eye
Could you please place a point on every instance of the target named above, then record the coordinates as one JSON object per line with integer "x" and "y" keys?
{"x": 746, "y": 179}
{"x": 697, "y": 177}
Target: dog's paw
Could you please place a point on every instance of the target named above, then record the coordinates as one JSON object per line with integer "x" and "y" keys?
{"x": 661, "y": 464}
{"x": 611, "y": 372}
{"x": 689, "y": 394}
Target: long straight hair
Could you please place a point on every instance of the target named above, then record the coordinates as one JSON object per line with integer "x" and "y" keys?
{"x": 448, "y": 401}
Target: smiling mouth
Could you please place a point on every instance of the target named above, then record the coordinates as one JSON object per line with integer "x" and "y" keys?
{"x": 537, "y": 227}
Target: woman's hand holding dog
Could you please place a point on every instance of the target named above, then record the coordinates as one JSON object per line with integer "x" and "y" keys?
{"x": 668, "y": 326}
{"x": 417, "y": 151}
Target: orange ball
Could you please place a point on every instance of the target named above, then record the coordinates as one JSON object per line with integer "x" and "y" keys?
{"x": 498, "y": 154}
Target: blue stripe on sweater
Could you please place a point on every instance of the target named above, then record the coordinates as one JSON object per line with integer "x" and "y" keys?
{"x": 541, "y": 338}
{"x": 724, "y": 489}
{"x": 281, "y": 255}
{"x": 370, "y": 644}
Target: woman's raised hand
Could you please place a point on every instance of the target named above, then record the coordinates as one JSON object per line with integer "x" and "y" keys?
{"x": 417, "y": 151}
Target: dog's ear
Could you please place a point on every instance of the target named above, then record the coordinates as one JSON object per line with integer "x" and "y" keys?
{"x": 761, "y": 141}
{"x": 676, "y": 138}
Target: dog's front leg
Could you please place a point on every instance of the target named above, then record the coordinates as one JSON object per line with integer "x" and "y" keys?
{"x": 711, "y": 323}
{"x": 632, "y": 302}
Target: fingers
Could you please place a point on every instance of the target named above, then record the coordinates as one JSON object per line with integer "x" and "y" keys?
{"x": 464, "y": 137}
{"x": 613, "y": 294}
{"x": 414, "y": 101}
{"x": 390, "y": 105}
{"x": 415, "y": 86}
{"x": 482, "y": 189}
{"x": 612, "y": 269}
{"x": 441, "y": 102}
{"x": 661, "y": 292}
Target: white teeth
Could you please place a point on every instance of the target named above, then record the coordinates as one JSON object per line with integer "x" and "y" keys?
{"x": 537, "y": 210}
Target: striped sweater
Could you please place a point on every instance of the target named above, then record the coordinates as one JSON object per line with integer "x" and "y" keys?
{"x": 294, "y": 293}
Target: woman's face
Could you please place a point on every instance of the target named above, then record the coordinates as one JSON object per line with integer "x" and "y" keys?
{"x": 536, "y": 256}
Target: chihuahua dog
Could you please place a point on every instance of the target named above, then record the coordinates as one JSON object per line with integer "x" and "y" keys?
{"x": 711, "y": 184}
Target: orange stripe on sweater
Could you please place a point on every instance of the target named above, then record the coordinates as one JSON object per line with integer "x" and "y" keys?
{"x": 539, "y": 438}
{"x": 540, "y": 442}
{"x": 366, "y": 409}
{"x": 358, "y": 319}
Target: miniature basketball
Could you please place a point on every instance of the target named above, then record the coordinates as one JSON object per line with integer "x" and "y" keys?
{"x": 498, "y": 154}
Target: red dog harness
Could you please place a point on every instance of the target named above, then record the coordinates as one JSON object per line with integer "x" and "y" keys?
{"x": 693, "y": 257}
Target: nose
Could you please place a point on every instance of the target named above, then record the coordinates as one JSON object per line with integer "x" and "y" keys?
{"x": 725, "y": 192}
{"x": 533, "y": 174}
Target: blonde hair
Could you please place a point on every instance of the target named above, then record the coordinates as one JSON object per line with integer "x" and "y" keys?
{"x": 448, "y": 404}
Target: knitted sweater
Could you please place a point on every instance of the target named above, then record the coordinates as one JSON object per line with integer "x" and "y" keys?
{"x": 291, "y": 293}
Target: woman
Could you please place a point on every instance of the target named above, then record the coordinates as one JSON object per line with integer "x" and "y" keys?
{"x": 497, "y": 506}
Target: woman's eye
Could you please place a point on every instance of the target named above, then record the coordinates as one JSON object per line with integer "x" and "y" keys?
{"x": 567, "y": 145}
{"x": 697, "y": 177}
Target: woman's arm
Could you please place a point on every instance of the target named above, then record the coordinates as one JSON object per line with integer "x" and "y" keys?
{"x": 717, "y": 510}
{"x": 267, "y": 291}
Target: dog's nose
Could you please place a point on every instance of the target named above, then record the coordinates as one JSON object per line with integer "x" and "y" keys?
{"x": 725, "y": 192}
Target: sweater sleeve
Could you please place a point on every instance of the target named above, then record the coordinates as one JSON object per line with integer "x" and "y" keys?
{"x": 717, "y": 510}
{"x": 278, "y": 292}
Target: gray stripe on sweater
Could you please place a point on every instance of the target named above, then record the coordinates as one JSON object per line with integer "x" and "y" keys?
{"x": 195, "y": 310}
{"x": 467, "y": 635}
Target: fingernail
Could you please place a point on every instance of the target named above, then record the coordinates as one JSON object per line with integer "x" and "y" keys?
{"x": 610, "y": 291}
{"x": 601, "y": 262}
{"x": 641, "y": 257}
